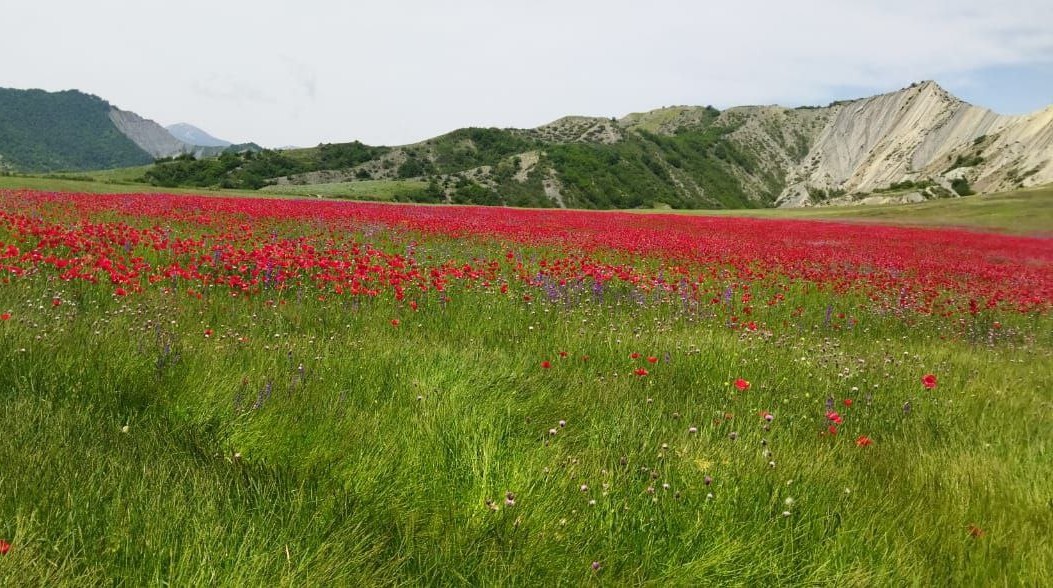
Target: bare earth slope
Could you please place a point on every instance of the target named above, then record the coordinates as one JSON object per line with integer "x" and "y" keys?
{"x": 922, "y": 133}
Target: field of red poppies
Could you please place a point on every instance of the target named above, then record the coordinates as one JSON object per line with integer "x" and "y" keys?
{"x": 203, "y": 388}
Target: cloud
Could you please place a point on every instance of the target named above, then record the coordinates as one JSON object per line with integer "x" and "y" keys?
{"x": 398, "y": 71}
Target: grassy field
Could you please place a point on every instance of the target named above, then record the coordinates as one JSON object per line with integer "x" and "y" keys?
{"x": 193, "y": 434}
{"x": 382, "y": 190}
{"x": 1028, "y": 210}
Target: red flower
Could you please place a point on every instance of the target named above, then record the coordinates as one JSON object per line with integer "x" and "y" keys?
{"x": 652, "y": 359}
{"x": 640, "y": 372}
{"x": 562, "y": 353}
{"x": 832, "y": 429}
{"x": 847, "y": 402}
{"x": 742, "y": 384}
{"x": 121, "y": 292}
{"x": 929, "y": 381}
{"x": 208, "y": 332}
{"x": 6, "y": 316}
{"x": 56, "y": 302}
{"x": 395, "y": 322}
{"x": 634, "y": 355}
{"x": 864, "y": 441}
{"x": 4, "y": 547}
{"x": 546, "y": 364}
{"x": 833, "y": 416}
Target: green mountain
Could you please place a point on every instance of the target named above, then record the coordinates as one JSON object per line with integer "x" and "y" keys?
{"x": 684, "y": 157}
{"x": 49, "y": 131}
{"x": 72, "y": 131}
{"x": 914, "y": 144}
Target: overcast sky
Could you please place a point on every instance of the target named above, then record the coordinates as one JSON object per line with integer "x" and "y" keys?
{"x": 396, "y": 71}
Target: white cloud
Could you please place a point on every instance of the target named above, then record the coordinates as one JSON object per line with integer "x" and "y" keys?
{"x": 308, "y": 71}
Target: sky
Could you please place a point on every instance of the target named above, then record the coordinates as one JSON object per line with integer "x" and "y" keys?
{"x": 391, "y": 72}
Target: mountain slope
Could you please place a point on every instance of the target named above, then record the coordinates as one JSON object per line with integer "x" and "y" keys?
{"x": 192, "y": 135}
{"x": 922, "y": 134}
{"x": 910, "y": 145}
{"x": 49, "y": 131}
{"x": 148, "y": 135}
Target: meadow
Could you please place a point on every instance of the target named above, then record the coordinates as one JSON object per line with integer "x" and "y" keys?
{"x": 237, "y": 391}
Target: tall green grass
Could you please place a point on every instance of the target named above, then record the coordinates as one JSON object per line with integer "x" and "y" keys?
{"x": 310, "y": 442}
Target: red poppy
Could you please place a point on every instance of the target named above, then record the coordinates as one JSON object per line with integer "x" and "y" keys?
{"x": 742, "y": 384}
{"x": 208, "y": 332}
{"x": 4, "y": 547}
{"x": 847, "y": 401}
{"x": 6, "y": 316}
{"x": 562, "y": 353}
{"x": 864, "y": 441}
{"x": 121, "y": 292}
{"x": 546, "y": 364}
{"x": 56, "y": 302}
{"x": 395, "y": 322}
{"x": 929, "y": 381}
{"x": 832, "y": 429}
{"x": 652, "y": 359}
{"x": 833, "y": 416}
{"x": 634, "y": 355}
{"x": 640, "y": 372}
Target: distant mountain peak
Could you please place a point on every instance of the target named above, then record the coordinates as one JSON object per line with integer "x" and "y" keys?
{"x": 192, "y": 135}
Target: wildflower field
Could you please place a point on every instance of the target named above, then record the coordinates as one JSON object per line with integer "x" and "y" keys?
{"x": 208, "y": 390}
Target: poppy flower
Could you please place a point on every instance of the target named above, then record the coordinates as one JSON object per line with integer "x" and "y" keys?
{"x": 929, "y": 381}
{"x": 208, "y": 332}
{"x": 5, "y": 317}
{"x": 832, "y": 429}
{"x": 56, "y": 302}
{"x": 864, "y": 441}
{"x": 395, "y": 322}
{"x": 833, "y": 416}
{"x": 640, "y": 372}
{"x": 742, "y": 384}
{"x": 847, "y": 402}
{"x": 634, "y": 355}
{"x": 652, "y": 359}
{"x": 546, "y": 364}
{"x": 4, "y": 547}
{"x": 562, "y": 353}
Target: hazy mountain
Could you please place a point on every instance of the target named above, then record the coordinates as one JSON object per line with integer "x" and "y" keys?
{"x": 192, "y": 135}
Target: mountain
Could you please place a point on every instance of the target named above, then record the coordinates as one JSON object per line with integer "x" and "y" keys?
{"x": 910, "y": 145}
{"x": 72, "y": 131}
{"x": 192, "y": 135}
{"x": 913, "y": 144}
{"x": 49, "y": 131}
{"x": 924, "y": 136}
{"x": 148, "y": 135}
